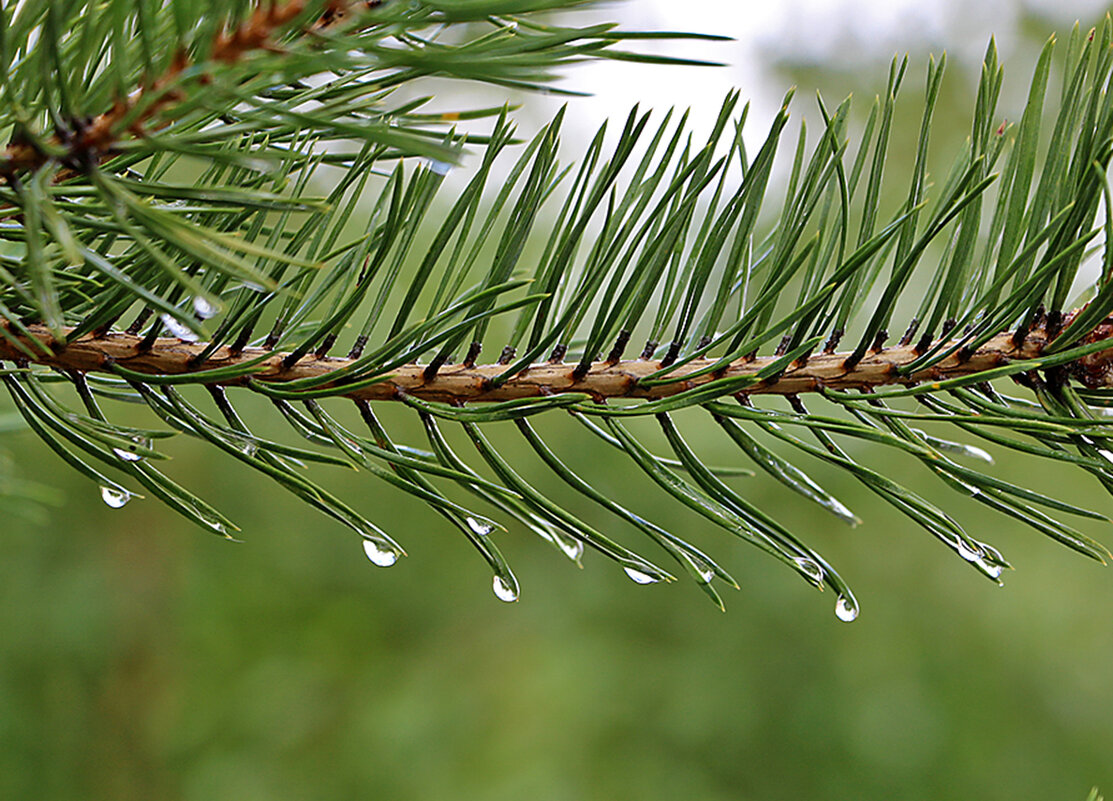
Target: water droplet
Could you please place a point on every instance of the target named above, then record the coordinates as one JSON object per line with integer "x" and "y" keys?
{"x": 975, "y": 452}
{"x": 204, "y": 308}
{"x": 380, "y": 553}
{"x": 706, "y": 573}
{"x": 811, "y": 569}
{"x": 846, "y": 609}
{"x": 216, "y": 526}
{"x": 842, "y": 511}
{"x": 246, "y": 446}
{"x": 441, "y": 168}
{"x": 978, "y": 559}
{"x": 480, "y": 527}
{"x": 127, "y": 456}
{"x": 993, "y": 571}
{"x": 504, "y": 590}
{"x": 966, "y": 552}
{"x": 1105, "y": 454}
{"x": 114, "y": 496}
{"x": 639, "y": 577}
{"x": 177, "y": 329}
{"x": 572, "y": 548}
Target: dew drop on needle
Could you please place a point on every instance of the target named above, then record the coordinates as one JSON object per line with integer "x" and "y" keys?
{"x": 639, "y": 577}
{"x": 380, "y": 554}
{"x": 114, "y": 497}
{"x": 504, "y": 590}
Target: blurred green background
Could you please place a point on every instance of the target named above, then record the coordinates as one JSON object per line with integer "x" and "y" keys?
{"x": 143, "y": 659}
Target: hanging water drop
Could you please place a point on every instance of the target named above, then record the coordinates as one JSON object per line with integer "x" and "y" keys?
{"x": 703, "y": 570}
{"x": 846, "y": 609}
{"x": 380, "y": 553}
{"x": 216, "y": 526}
{"x": 127, "y": 456}
{"x": 639, "y": 577}
{"x": 204, "y": 308}
{"x": 966, "y": 552}
{"x": 177, "y": 329}
{"x": 811, "y": 569}
{"x": 480, "y": 527}
{"x": 842, "y": 511}
{"x": 114, "y": 496}
{"x": 975, "y": 452}
{"x": 571, "y": 547}
{"x": 504, "y": 590}
{"x": 991, "y": 570}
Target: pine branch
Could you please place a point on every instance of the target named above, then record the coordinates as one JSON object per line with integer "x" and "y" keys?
{"x": 84, "y": 142}
{"x": 104, "y": 248}
{"x": 172, "y": 360}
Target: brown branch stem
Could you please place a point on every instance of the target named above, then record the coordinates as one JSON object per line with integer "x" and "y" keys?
{"x": 462, "y": 383}
{"x": 94, "y": 139}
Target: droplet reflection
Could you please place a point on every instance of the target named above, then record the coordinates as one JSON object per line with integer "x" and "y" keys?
{"x": 845, "y": 609}
{"x": 479, "y": 526}
{"x": 571, "y": 547}
{"x": 379, "y": 553}
{"x": 114, "y": 497}
{"x": 204, "y": 309}
{"x": 639, "y": 577}
{"x": 811, "y": 569}
{"x": 504, "y": 590}
{"x": 177, "y": 329}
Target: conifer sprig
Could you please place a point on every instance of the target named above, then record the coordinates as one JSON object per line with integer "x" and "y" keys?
{"x": 162, "y": 177}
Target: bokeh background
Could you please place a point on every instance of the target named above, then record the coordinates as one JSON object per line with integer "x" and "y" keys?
{"x": 143, "y": 659}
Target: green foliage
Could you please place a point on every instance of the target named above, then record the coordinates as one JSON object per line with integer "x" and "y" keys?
{"x": 162, "y": 175}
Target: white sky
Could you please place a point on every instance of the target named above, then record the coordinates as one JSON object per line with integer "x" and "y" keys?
{"x": 857, "y": 33}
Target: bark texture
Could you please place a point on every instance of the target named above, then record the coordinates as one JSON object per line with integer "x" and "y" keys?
{"x": 619, "y": 379}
